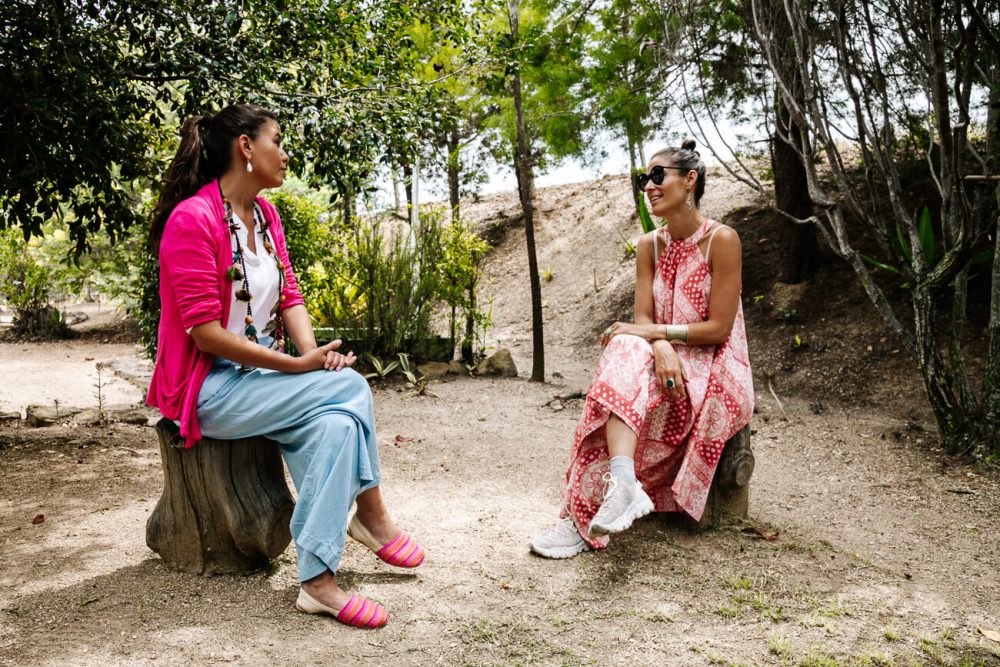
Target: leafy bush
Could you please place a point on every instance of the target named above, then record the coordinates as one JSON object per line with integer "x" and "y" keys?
{"x": 26, "y": 285}
{"x": 382, "y": 284}
{"x": 309, "y": 234}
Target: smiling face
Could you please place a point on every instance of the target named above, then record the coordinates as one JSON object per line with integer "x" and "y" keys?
{"x": 268, "y": 158}
{"x": 672, "y": 191}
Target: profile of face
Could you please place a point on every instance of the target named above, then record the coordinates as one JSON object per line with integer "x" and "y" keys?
{"x": 667, "y": 186}
{"x": 265, "y": 153}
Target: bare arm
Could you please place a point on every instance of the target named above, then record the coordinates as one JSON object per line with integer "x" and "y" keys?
{"x": 726, "y": 262}
{"x": 299, "y": 328}
{"x": 211, "y": 338}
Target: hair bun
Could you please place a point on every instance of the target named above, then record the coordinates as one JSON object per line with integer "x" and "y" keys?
{"x": 688, "y": 144}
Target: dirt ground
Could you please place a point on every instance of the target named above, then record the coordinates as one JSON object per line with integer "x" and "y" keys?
{"x": 866, "y": 544}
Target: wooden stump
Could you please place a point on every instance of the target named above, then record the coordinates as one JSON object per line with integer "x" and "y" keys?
{"x": 225, "y": 506}
{"x": 729, "y": 498}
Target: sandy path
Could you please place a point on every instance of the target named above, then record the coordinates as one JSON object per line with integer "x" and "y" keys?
{"x": 855, "y": 560}
{"x": 32, "y": 374}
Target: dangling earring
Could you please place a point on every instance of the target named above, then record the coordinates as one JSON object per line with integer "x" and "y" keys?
{"x": 690, "y": 200}
{"x": 250, "y": 170}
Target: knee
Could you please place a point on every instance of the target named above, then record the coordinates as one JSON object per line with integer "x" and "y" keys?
{"x": 356, "y": 385}
{"x": 626, "y": 343}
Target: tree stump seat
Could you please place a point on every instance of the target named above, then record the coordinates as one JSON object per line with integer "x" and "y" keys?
{"x": 729, "y": 497}
{"x": 225, "y": 507}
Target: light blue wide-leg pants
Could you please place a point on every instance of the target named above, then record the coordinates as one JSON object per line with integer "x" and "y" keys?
{"x": 325, "y": 424}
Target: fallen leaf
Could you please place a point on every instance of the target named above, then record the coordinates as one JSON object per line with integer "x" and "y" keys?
{"x": 88, "y": 358}
{"x": 763, "y": 533}
{"x": 505, "y": 585}
{"x": 989, "y": 634}
{"x": 402, "y": 438}
{"x": 38, "y": 519}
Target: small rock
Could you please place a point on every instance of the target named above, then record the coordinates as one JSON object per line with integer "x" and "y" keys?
{"x": 498, "y": 363}
{"x": 784, "y": 299}
{"x": 47, "y": 415}
{"x": 133, "y": 415}
{"x": 89, "y": 417}
{"x": 456, "y": 367}
{"x": 433, "y": 370}
{"x": 6, "y": 417}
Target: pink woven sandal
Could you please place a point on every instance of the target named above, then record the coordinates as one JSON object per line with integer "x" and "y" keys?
{"x": 401, "y": 551}
{"x": 359, "y": 612}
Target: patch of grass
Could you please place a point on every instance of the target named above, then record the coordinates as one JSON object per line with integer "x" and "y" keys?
{"x": 833, "y": 610}
{"x": 716, "y": 659}
{"x": 874, "y": 660}
{"x": 968, "y": 661}
{"x": 890, "y": 633}
{"x": 559, "y": 622}
{"x": 509, "y": 642}
{"x": 659, "y": 617}
{"x": 775, "y": 614}
{"x": 929, "y": 646}
{"x": 735, "y": 581}
{"x": 814, "y": 620}
{"x": 780, "y": 645}
{"x": 819, "y": 657}
{"x": 729, "y": 611}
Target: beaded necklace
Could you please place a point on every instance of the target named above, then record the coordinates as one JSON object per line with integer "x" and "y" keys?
{"x": 238, "y": 271}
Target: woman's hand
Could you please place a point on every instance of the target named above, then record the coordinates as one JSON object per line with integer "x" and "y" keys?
{"x": 669, "y": 370}
{"x": 326, "y": 356}
{"x": 647, "y": 331}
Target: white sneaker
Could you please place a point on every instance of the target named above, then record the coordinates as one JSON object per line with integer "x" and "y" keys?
{"x": 561, "y": 541}
{"x": 620, "y": 508}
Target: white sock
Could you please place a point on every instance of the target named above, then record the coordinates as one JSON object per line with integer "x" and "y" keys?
{"x": 623, "y": 469}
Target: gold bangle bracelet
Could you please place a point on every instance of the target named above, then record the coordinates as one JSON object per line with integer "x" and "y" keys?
{"x": 676, "y": 333}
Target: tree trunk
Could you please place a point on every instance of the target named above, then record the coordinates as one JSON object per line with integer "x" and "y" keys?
{"x": 791, "y": 192}
{"x": 348, "y": 207}
{"x": 415, "y": 197}
{"x": 453, "y": 172}
{"x": 729, "y": 497}
{"x": 791, "y": 184}
{"x": 952, "y": 420}
{"x": 470, "y": 325}
{"x": 632, "y": 177}
{"x": 525, "y": 189}
{"x": 991, "y": 378}
{"x": 407, "y": 186}
{"x": 395, "y": 192}
{"x": 225, "y": 506}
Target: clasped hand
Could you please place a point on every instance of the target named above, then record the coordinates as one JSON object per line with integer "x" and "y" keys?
{"x": 327, "y": 356}
{"x": 668, "y": 366}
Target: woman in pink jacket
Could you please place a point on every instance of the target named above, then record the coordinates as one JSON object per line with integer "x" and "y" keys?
{"x": 228, "y": 296}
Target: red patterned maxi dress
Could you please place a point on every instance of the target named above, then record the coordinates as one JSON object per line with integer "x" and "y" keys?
{"x": 679, "y": 442}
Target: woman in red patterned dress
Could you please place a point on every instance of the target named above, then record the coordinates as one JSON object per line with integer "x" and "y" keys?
{"x": 671, "y": 387}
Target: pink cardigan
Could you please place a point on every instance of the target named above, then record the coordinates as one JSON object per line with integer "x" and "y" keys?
{"x": 195, "y": 253}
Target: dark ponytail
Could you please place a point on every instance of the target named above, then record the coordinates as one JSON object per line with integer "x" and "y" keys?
{"x": 205, "y": 153}
{"x": 688, "y": 159}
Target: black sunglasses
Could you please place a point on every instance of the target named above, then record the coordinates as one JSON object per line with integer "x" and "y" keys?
{"x": 656, "y": 174}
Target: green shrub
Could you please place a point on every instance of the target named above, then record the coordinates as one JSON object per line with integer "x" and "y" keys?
{"x": 26, "y": 285}
{"x": 382, "y": 282}
{"x": 309, "y": 234}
